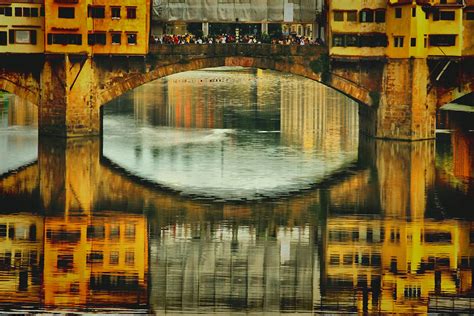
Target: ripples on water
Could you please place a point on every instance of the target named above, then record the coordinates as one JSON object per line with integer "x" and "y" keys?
{"x": 354, "y": 225}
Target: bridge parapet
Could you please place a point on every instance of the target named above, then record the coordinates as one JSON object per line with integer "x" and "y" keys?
{"x": 247, "y": 50}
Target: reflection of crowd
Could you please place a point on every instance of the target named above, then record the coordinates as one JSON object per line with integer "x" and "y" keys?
{"x": 228, "y": 38}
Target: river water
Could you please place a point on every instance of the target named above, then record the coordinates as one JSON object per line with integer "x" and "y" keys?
{"x": 233, "y": 190}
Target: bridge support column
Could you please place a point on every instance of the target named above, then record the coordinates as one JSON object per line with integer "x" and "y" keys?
{"x": 402, "y": 110}
{"x": 68, "y": 106}
{"x": 68, "y": 171}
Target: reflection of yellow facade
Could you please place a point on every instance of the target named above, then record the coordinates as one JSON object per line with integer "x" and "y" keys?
{"x": 21, "y": 248}
{"x": 98, "y": 261}
{"x": 401, "y": 264}
{"x": 401, "y": 29}
{"x": 22, "y": 26}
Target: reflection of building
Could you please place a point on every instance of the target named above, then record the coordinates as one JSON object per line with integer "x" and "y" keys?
{"x": 22, "y": 26}
{"x": 463, "y": 154}
{"x": 21, "y": 251}
{"x": 393, "y": 265}
{"x": 316, "y": 116}
{"x": 203, "y": 267}
{"x": 96, "y": 261}
{"x": 21, "y": 112}
{"x": 250, "y": 17}
{"x": 401, "y": 29}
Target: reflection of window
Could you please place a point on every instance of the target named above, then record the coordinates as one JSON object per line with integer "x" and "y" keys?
{"x": 95, "y": 257}
{"x": 130, "y": 231}
{"x": 129, "y": 258}
{"x": 65, "y": 262}
{"x": 114, "y": 232}
{"x": 3, "y": 228}
{"x": 334, "y": 259}
{"x": 6, "y": 259}
{"x": 95, "y": 232}
{"x": 114, "y": 258}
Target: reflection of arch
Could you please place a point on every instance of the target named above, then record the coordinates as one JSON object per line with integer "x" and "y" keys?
{"x": 15, "y": 87}
{"x": 339, "y": 83}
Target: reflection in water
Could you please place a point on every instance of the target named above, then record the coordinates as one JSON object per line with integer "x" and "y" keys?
{"x": 18, "y": 132}
{"x": 220, "y": 133}
{"x": 390, "y": 232}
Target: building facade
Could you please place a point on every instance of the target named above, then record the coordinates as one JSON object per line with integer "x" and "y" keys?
{"x": 22, "y": 26}
{"x": 247, "y": 17}
{"x": 401, "y": 28}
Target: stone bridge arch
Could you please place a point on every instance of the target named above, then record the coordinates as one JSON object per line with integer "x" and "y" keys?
{"x": 118, "y": 79}
{"x": 22, "y": 86}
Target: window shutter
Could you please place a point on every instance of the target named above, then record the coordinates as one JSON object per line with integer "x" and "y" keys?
{"x": 33, "y": 37}
{"x": 11, "y": 36}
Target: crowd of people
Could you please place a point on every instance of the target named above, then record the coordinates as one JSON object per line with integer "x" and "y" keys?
{"x": 229, "y": 38}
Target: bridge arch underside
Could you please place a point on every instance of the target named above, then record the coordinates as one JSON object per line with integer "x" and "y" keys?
{"x": 19, "y": 90}
{"x": 296, "y": 67}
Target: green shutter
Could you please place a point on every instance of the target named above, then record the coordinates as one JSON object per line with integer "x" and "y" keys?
{"x": 33, "y": 37}
{"x": 11, "y": 36}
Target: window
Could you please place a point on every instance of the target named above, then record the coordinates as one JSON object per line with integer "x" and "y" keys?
{"x": 66, "y": 13}
{"x": 114, "y": 258}
{"x": 380, "y": 16}
{"x": 352, "y": 40}
{"x": 338, "y": 40}
{"x": 65, "y": 262}
{"x": 129, "y": 258}
{"x": 398, "y": 13}
{"x": 116, "y": 38}
{"x": 65, "y": 39}
{"x": 132, "y": 39}
{"x": 42, "y": 11}
{"x": 366, "y": 16}
{"x": 338, "y": 16}
{"x": 6, "y": 11}
{"x": 447, "y": 15}
{"x": 18, "y": 12}
{"x": 352, "y": 16}
{"x": 3, "y": 38}
{"x": 130, "y": 231}
{"x": 22, "y": 37}
{"x": 442, "y": 40}
{"x": 95, "y": 257}
{"x": 131, "y": 12}
{"x": 96, "y": 12}
{"x": 115, "y": 11}
{"x": 398, "y": 41}
{"x": 26, "y": 12}
{"x": 413, "y": 12}
{"x": 413, "y": 42}
{"x": 34, "y": 12}
{"x": 470, "y": 15}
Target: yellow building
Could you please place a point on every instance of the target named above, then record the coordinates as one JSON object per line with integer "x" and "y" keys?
{"x": 97, "y": 27}
{"x": 21, "y": 26}
{"x": 96, "y": 261}
{"x": 401, "y": 28}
